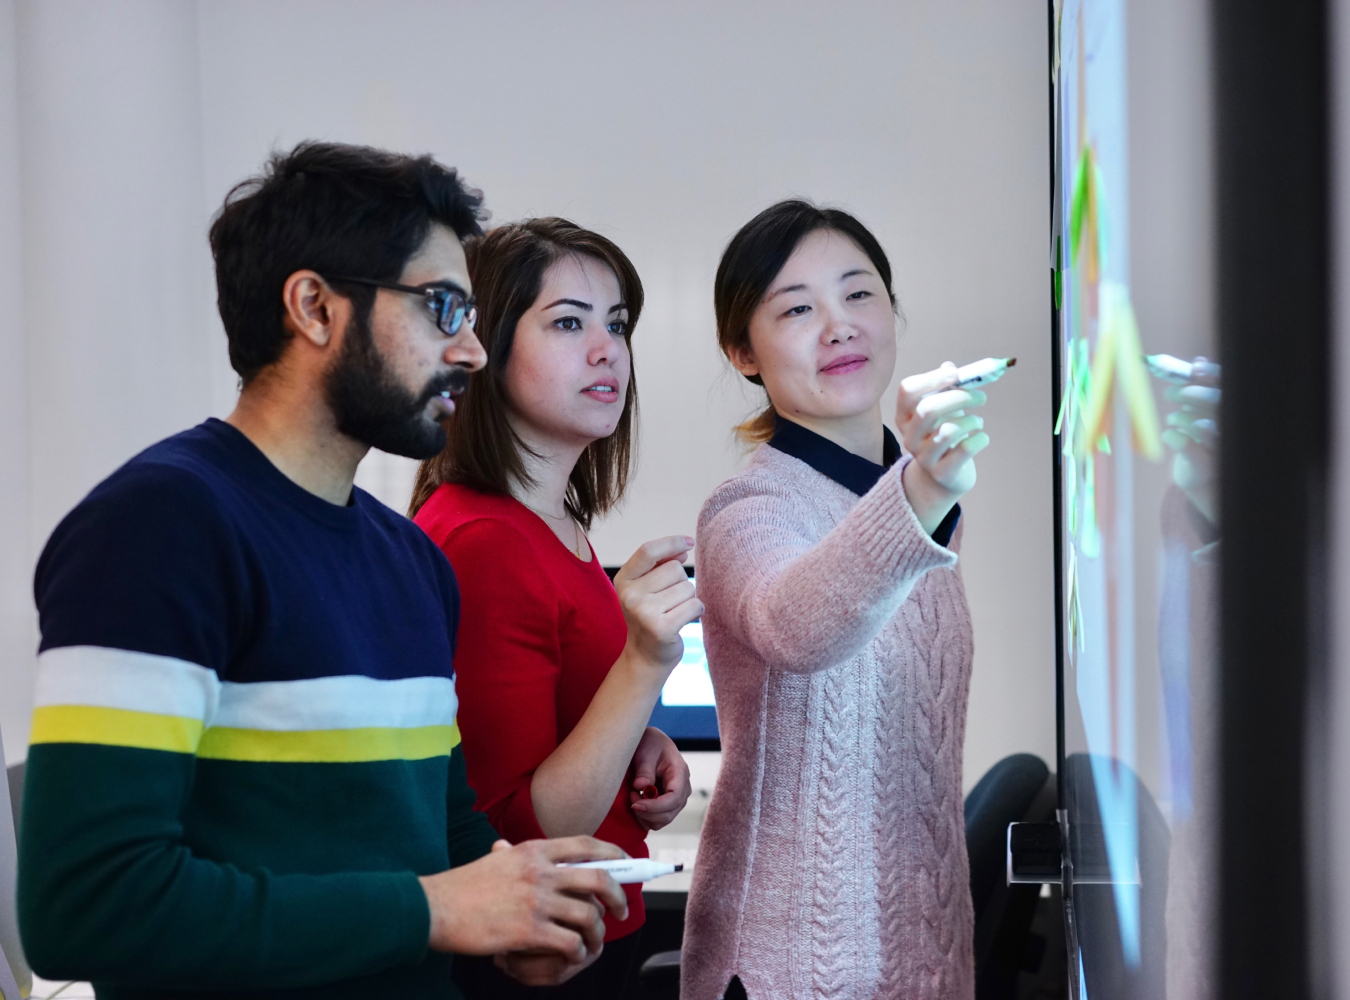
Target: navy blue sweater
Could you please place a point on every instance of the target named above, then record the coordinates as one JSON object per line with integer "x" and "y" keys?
{"x": 245, "y": 747}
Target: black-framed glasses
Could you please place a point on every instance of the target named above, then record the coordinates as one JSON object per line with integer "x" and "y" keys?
{"x": 450, "y": 306}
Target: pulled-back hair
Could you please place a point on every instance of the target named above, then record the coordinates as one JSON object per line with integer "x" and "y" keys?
{"x": 482, "y": 451}
{"x": 751, "y": 262}
{"x": 331, "y": 208}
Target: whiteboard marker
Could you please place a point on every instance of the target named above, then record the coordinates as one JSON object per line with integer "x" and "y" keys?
{"x": 1171, "y": 369}
{"x": 982, "y": 372}
{"x": 627, "y": 871}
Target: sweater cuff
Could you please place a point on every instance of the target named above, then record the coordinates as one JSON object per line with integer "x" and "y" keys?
{"x": 891, "y": 531}
{"x": 942, "y": 534}
{"x": 409, "y": 932}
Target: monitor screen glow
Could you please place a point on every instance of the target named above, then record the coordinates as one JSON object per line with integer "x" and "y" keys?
{"x": 686, "y": 710}
{"x": 689, "y": 683}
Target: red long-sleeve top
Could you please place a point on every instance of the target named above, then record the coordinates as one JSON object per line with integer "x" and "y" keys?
{"x": 539, "y": 630}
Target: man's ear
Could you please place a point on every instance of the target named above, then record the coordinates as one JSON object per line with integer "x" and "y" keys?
{"x": 312, "y": 309}
{"x": 742, "y": 358}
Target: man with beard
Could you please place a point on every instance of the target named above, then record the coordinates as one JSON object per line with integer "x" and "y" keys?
{"x": 245, "y": 775}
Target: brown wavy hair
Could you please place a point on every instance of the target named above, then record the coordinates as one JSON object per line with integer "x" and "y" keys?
{"x": 482, "y": 451}
{"x": 751, "y": 262}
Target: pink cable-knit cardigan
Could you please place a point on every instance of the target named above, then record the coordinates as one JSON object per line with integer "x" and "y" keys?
{"x": 833, "y": 857}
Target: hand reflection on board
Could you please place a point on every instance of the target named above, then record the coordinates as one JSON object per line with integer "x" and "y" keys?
{"x": 1193, "y": 433}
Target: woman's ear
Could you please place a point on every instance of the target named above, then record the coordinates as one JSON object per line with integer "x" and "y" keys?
{"x": 742, "y": 358}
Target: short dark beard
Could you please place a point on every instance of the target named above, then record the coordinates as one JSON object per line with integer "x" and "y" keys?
{"x": 372, "y": 407}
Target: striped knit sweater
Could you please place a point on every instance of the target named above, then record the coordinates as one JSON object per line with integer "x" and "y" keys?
{"x": 245, "y": 747}
{"x": 833, "y": 857}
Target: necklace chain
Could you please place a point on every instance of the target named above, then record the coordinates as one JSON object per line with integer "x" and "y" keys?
{"x": 576, "y": 528}
{"x": 543, "y": 513}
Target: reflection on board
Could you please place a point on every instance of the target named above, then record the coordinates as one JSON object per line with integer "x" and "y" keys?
{"x": 1138, "y": 434}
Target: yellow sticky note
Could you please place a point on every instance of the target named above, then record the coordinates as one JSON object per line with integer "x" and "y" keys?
{"x": 1103, "y": 378}
{"x": 1119, "y": 360}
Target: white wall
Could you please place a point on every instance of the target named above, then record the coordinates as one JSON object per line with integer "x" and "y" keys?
{"x": 18, "y": 633}
{"x": 115, "y": 348}
{"x": 664, "y": 127}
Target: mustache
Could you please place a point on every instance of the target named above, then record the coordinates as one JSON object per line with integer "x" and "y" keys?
{"x": 455, "y": 381}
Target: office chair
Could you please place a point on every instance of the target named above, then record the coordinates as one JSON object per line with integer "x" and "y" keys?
{"x": 1019, "y": 940}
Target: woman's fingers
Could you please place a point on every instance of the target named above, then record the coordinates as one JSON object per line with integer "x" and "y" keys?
{"x": 1202, "y": 399}
{"x": 673, "y": 596}
{"x": 654, "y": 815}
{"x": 655, "y": 809}
{"x": 652, "y": 554}
{"x": 669, "y": 574}
{"x": 1175, "y": 440}
{"x": 917, "y": 386}
{"x": 652, "y": 598}
{"x": 682, "y": 614}
{"x": 955, "y": 462}
{"x": 1201, "y": 430}
{"x": 934, "y": 409}
{"x": 973, "y": 445}
{"x": 952, "y": 432}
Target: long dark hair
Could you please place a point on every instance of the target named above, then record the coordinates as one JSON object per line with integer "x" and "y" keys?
{"x": 751, "y": 262}
{"x": 482, "y": 451}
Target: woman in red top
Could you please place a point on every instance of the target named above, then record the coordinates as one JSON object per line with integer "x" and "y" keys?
{"x": 557, "y": 669}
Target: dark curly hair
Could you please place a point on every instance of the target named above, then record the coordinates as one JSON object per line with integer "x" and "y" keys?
{"x": 331, "y": 208}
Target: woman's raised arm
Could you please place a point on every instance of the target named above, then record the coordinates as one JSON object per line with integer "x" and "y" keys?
{"x": 805, "y": 605}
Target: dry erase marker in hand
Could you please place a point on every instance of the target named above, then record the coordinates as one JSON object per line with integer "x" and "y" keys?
{"x": 982, "y": 372}
{"x": 1171, "y": 369}
{"x": 627, "y": 871}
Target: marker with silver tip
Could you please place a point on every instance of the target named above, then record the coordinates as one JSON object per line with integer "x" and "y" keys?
{"x": 982, "y": 372}
{"x": 628, "y": 871}
{"x": 1171, "y": 369}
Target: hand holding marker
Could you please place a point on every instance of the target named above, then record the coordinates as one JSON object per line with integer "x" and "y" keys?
{"x": 1193, "y": 427}
{"x": 936, "y": 428}
{"x": 982, "y": 372}
{"x": 627, "y": 871}
{"x": 1170, "y": 369}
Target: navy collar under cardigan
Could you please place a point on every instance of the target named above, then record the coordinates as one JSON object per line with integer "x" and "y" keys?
{"x": 853, "y": 472}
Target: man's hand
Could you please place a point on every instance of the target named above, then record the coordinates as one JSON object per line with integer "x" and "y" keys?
{"x": 518, "y": 899}
{"x": 540, "y": 968}
{"x": 660, "y": 780}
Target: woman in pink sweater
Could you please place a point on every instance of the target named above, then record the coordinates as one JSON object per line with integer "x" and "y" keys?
{"x": 833, "y": 856}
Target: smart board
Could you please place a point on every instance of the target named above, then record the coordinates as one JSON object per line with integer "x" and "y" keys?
{"x": 1137, "y": 555}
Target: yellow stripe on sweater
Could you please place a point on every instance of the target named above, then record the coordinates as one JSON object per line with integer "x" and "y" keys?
{"x": 328, "y": 746}
{"x": 118, "y": 727}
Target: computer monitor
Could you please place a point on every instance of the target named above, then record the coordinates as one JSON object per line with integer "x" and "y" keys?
{"x": 686, "y": 710}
